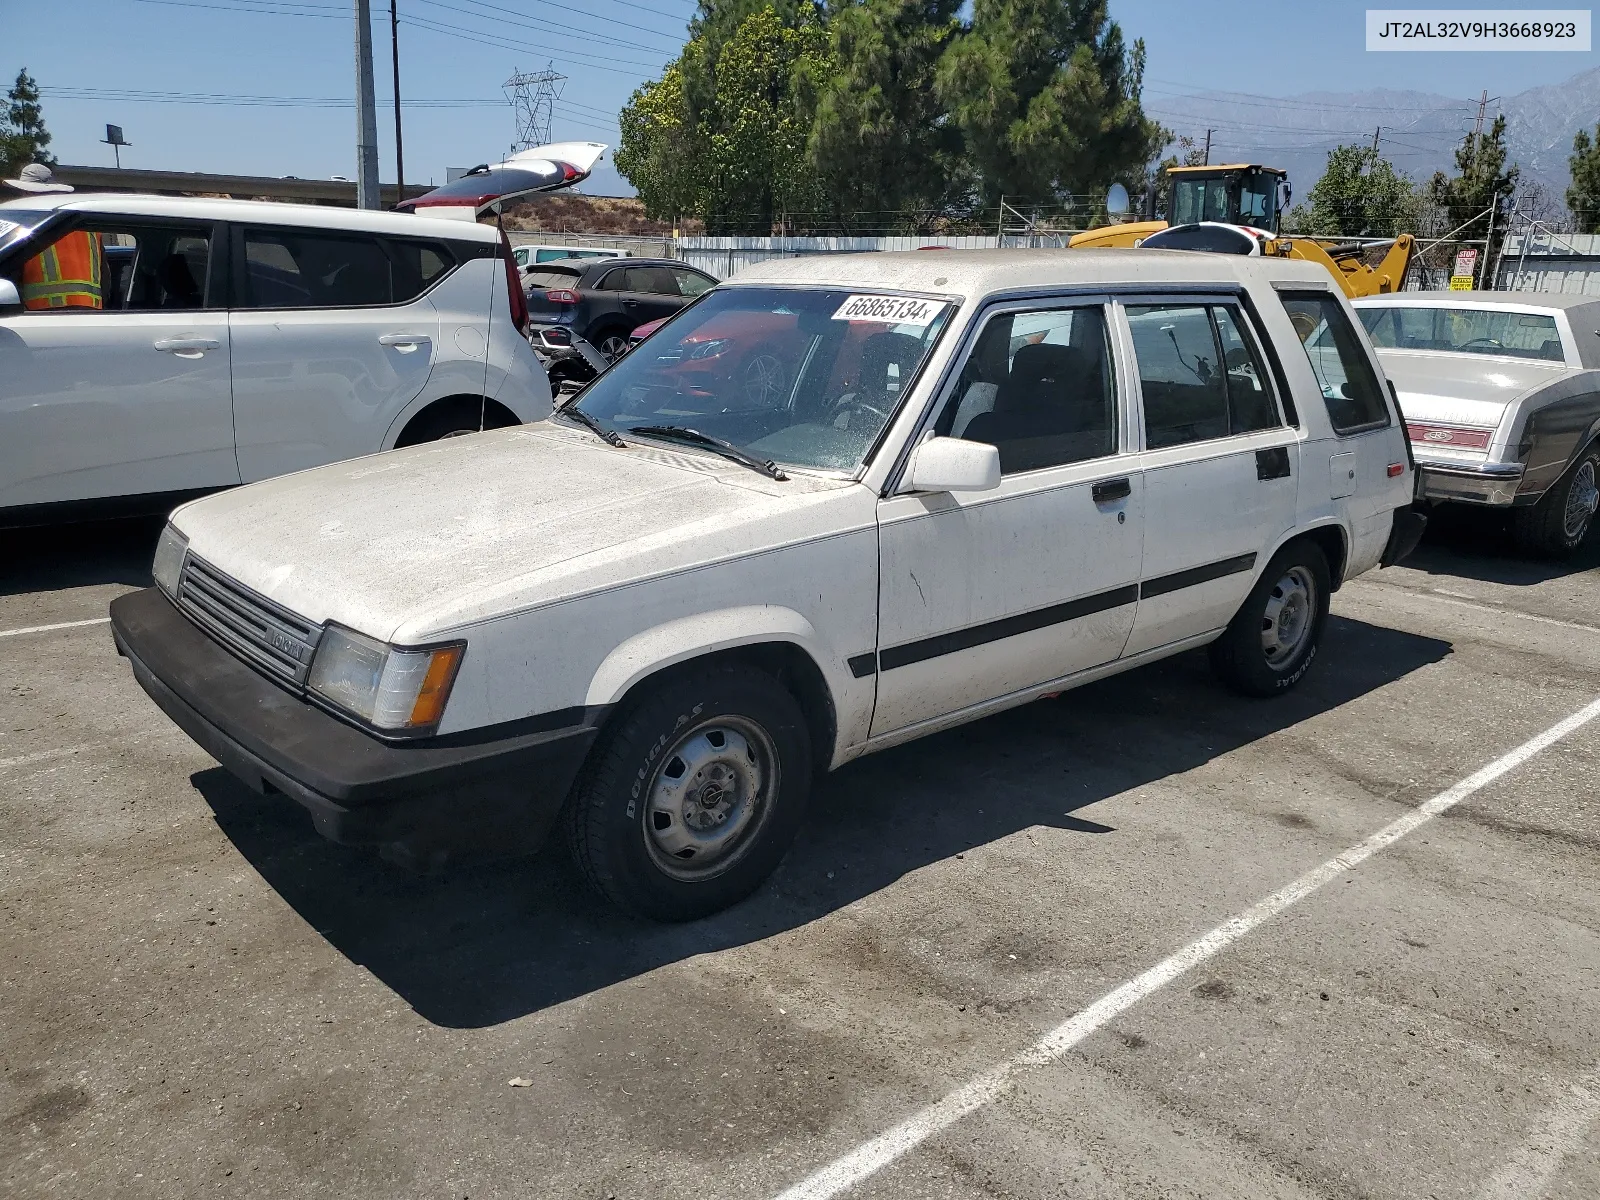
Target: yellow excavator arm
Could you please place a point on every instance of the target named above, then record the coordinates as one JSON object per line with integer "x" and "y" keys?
{"x": 1347, "y": 264}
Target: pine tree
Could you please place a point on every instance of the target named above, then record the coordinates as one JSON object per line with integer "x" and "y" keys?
{"x": 1583, "y": 197}
{"x": 23, "y": 137}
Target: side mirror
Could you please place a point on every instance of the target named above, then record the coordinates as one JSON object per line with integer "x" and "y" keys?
{"x": 946, "y": 464}
{"x": 1117, "y": 202}
{"x": 10, "y": 298}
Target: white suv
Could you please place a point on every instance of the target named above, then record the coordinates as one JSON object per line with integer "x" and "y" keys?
{"x": 234, "y": 340}
{"x": 965, "y": 481}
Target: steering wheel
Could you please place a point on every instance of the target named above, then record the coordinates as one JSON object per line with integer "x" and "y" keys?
{"x": 1483, "y": 341}
{"x": 851, "y": 402}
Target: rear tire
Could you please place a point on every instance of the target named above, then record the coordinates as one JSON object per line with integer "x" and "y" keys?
{"x": 612, "y": 343}
{"x": 1272, "y": 640}
{"x": 1558, "y": 524}
{"x": 452, "y": 419}
{"x": 693, "y": 795}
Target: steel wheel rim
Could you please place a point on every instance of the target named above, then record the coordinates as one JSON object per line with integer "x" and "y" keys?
{"x": 1286, "y": 621}
{"x": 709, "y": 796}
{"x": 763, "y": 378}
{"x": 614, "y": 347}
{"x": 1582, "y": 498}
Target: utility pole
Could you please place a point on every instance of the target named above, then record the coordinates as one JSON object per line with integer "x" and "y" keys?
{"x": 1375, "y": 134}
{"x": 399, "y": 142}
{"x": 366, "y": 113}
{"x": 1209, "y": 132}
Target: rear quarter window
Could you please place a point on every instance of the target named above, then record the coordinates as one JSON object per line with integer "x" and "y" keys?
{"x": 1351, "y": 389}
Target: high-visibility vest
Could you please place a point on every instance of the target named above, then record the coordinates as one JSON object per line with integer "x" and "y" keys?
{"x": 64, "y": 275}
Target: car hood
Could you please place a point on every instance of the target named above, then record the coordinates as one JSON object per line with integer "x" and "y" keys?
{"x": 410, "y": 543}
{"x": 1463, "y": 389}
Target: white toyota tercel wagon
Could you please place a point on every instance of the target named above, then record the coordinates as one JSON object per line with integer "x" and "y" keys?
{"x": 958, "y": 482}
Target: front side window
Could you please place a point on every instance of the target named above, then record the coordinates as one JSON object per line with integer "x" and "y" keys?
{"x": 1200, "y": 374}
{"x": 291, "y": 268}
{"x": 691, "y": 283}
{"x": 1039, "y": 387}
{"x": 1350, "y": 387}
{"x": 136, "y": 268}
{"x": 1465, "y": 331}
{"x": 806, "y": 377}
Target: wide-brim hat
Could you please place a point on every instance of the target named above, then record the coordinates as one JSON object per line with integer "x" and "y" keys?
{"x": 36, "y": 177}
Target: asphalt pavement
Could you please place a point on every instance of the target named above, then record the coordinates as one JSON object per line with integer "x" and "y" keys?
{"x": 1146, "y": 939}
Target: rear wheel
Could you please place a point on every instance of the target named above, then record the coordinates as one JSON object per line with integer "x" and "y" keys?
{"x": 693, "y": 795}
{"x": 613, "y": 344}
{"x": 1558, "y": 524}
{"x": 453, "y": 419}
{"x": 1272, "y": 641}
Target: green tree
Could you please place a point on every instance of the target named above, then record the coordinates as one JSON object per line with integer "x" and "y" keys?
{"x": 884, "y": 156}
{"x": 1048, "y": 97}
{"x": 1360, "y": 194}
{"x": 723, "y": 133}
{"x": 1583, "y": 196}
{"x": 661, "y": 150}
{"x": 1482, "y": 181}
{"x": 23, "y": 137}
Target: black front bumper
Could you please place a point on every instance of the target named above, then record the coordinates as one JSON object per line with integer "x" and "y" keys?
{"x": 497, "y": 786}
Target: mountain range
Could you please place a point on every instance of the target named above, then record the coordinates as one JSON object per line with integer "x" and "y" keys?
{"x": 1417, "y": 131}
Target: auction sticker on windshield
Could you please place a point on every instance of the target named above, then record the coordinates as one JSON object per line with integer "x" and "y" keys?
{"x": 892, "y": 310}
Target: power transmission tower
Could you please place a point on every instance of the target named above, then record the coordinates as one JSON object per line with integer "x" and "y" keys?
{"x": 533, "y": 96}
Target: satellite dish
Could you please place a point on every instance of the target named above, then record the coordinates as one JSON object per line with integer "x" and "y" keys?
{"x": 1117, "y": 202}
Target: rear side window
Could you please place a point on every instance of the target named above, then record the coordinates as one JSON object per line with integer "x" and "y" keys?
{"x": 657, "y": 281}
{"x": 1200, "y": 374}
{"x": 1350, "y": 387}
{"x": 286, "y": 268}
{"x": 417, "y": 266}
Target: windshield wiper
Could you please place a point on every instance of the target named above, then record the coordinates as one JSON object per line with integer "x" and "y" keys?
{"x": 583, "y": 418}
{"x": 725, "y": 448}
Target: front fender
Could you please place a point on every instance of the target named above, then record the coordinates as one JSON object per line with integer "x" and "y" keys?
{"x": 685, "y": 638}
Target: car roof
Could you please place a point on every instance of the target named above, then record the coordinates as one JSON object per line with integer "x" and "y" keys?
{"x": 977, "y": 273}
{"x": 1440, "y": 298}
{"x": 318, "y": 216}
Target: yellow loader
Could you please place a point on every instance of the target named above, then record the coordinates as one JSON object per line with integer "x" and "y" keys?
{"x": 1234, "y": 208}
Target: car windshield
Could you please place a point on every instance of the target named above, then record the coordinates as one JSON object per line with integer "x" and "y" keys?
{"x": 805, "y": 377}
{"x": 1465, "y": 331}
{"x": 17, "y": 223}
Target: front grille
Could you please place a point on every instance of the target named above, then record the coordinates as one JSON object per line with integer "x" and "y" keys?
{"x": 266, "y": 635}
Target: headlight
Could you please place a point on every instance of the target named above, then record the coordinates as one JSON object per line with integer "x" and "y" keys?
{"x": 386, "y": 686}
{"x": 168, "y": 564}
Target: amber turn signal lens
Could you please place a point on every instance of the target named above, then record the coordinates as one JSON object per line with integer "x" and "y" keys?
{"x": 435, "y": 688}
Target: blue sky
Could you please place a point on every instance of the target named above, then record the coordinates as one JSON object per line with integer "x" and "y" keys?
{"x": 253, "y": 86}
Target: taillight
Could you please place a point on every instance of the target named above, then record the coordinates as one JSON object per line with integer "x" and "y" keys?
{"x": 1448, "y": 435}
{"x": 561, "y": 296}
{"x": 557, "y": 337}
{"x": 518, "y": 301}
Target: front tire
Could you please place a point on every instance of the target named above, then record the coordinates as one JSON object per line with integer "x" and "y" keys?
{"x": 693, "y": 795}
{"x": 1558, "y": 524}
{"x": 1272, "y": 640}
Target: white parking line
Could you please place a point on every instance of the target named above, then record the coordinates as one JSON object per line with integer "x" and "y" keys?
{"x": 872, "y": 1156}
{"x": 1527, "y": 1174}
{"x": 5, "y": 633}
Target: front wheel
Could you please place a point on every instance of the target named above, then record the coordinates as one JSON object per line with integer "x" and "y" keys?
{"x": 1272, "y": 640}
{"x": 1558, "y": 524}
{"x": 692, "y": 797}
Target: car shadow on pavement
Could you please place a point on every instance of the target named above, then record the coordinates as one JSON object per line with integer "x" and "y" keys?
{"x": 480, "y": 944}
{"x": 1464, "y": 543}
{"x": 50, "y": 557}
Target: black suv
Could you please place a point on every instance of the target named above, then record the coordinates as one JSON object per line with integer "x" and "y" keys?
{"x": 603, "y": 300}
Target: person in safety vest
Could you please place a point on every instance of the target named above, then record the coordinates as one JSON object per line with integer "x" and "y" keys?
{"x": 68, "y": 273}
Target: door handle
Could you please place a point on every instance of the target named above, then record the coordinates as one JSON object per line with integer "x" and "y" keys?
{"x": 404, "y": 342}
{"x": 1108, "y": 490}
{"x": 630, "y": 304}
{"x": 186, "y": 347}
{"x": 1272, "y": 463}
